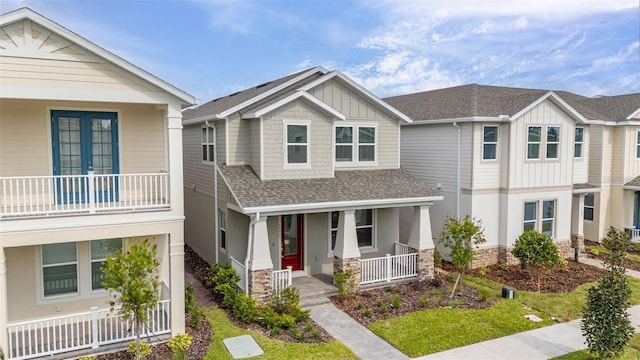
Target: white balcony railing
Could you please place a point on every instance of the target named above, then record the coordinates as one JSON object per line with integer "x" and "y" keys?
{"x": 634, "y": 234}
{"x": 91, "y": 329}
{"x": 401, "y": 249}
{"x": 388, "y": 268}
{"x": 280, "y": 280}
{"x": 91, "y": 193}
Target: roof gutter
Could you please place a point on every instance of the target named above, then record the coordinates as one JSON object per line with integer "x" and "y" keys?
{"x": 202, "y": 119}
{"x": 501, "y": 118}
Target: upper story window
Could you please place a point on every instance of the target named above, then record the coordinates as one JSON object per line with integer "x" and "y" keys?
{"x": 589, "y": 201}
{"x": 540, "y": 216}
{"x": 100, "y": 249}
{"x": 553, "y": 140}
{"x": 578, "y": 140}
{"x": 297, "y": 144}
{"x": 344, "y": 143}
{"x": 208, "y": 144}
{"x": 366, "y": 143}
{"x": 489, "y": 142}
{"x": 638, "y": 145}
{"x": 59, "y": 269}
{"x": 222, "y": 223}
{"x": 533, "y": 142}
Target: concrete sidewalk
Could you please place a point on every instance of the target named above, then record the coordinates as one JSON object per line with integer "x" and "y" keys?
{"x": 543, "y": 343}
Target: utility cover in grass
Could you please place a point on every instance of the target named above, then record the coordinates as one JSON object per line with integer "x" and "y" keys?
{"x": 241, "y": 347}
{"x": 533, "y": 318}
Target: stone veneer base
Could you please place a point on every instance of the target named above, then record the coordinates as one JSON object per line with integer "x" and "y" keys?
{"x": 340, "y": 265}
{"x": 260, "y": 285}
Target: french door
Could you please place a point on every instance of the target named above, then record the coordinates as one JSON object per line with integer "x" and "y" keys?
{"x": 292, "y": 240}
{"x": 84, "y": 141}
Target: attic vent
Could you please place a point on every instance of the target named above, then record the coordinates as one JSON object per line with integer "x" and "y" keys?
{"x": 263, "y": 85}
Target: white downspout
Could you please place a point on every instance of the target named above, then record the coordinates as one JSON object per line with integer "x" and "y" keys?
{"x": 252, "y": 223}
{"x": 458, "y": 170}
{"x": 215, "y": 197}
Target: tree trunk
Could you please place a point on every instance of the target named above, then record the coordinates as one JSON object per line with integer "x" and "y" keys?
{"x": 455, "y": 285}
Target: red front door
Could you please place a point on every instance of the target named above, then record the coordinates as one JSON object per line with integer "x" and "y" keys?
{"x": 292, "y": 240}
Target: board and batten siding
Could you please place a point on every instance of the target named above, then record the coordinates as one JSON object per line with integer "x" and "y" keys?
{"x": 524, "y": 173}
{"x": 319, "y": 139}
{"x": 25, "y": 136}
{"x": 198, "y": 175}
{"x": 347, "y": 100}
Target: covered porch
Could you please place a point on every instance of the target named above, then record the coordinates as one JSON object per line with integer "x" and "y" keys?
{"x": 631, "y": 209}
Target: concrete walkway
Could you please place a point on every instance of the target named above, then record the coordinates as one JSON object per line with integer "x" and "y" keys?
{"x": 543, "y": 343}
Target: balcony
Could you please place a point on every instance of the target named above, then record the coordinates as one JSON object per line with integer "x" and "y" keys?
{"x": 634, "y": 234}
{"x": 31, "y": 196}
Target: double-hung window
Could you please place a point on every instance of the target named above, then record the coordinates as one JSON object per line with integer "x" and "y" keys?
{"x": 489, "y": 142}
{"x": 208, "y": 144}
{"x": 364, "y": 228}
{"x": 100, "y": 249}
{"x": 344, "y": 143}
{"x": 638, "y": 145}
{"x": 533, "y": 142}
{"x": 589, "y": 201}
{"x": 540, "y": 216}
{"x": 59, "y": 269}
{"x": 366, "y": 143}
{"x": 297, "y": 144}
{"x": 578, "y": 140}
{"x": 553, "y": 139}
{"x": 222, "y": 223}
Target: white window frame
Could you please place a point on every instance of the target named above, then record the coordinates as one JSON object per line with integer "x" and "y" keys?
{"x": 351, "y": 144}
{"x": 355, "y": 145}
{"x": 549, "y": 142}
{"x": 493, "y": 143}
{"x": 374, "y": 145}
{"x": 222, "y": 224}
{"x": 638, "y": 145}
{"x": 91, "y": 261}
{"x": 287, "y": 164}
{"x": 592, "y": 206}
{"x": 208, "y": 140}
{"x": 364, "y": 249}
{"x": 578, "y": 144}
{"x": 529, "y": 142}
{"x": 540, "y": 218}
{"x": 42, "y": 266}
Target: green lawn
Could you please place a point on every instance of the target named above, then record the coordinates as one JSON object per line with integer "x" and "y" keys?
{"x": 222, "y": 328}
{"x": 428, "y": 331}
{"x": 632, "y": 352}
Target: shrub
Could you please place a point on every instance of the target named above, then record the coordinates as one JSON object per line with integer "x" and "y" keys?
{"x": 190, "y": 306}
{"x": 595, "y": 251}
{"x": 504, "y": 266}
{"x": 396, "y": 301}
{"x": 484, "y": 294}
{"x": 179, "y": 345}
{"x": 366, "y": 312}
{"x": 139, "y": 350}
{"x": 1, "y": 354}
{"x": 219, "y": 274}
{"x": 245, "y": 307}
{"x": 606, "y": 324}
{"x": 346, "y": 283}
{"x": 437, "y": 258}
{"x": 535, "y": 251}
{"x": 484, "y": 271}
{"x": 270, "y": 319}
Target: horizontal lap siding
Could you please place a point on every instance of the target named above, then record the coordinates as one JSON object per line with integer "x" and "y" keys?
{"x": 238, "y": 137}
{"x": 142, "y": 137}
{"x": 581, "y": 165}
{"x": 254, "y": 135}
{"x": 595, "y": 154}
{"x": 196, "y": 173}
{"x": 631, "y": 164}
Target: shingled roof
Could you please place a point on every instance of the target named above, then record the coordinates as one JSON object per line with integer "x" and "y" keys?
{"x": 634, "y": 183}
{"x": 476, "y": 100}
{"x": 346, "y": 188}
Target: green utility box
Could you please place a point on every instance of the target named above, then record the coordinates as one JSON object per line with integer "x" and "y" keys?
{"x": 508, "y": 292}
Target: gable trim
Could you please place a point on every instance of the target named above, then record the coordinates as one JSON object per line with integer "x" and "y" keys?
{"x": 28, "y": 14}
{"x": 298, "y": 95}
{"x": 397, "y": 113}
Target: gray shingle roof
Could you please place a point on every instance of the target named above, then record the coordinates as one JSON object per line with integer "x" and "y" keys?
{"x": 221, "y": 104}
{"x": 491, "y": 101}
{"x": 585, "y": 186}
{"x": 634, "y": 182}
{"x": 345, "y": 186}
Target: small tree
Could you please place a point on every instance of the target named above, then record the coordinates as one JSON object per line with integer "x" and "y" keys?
{"x": 131, "y": 278}
{"x": 606, "y": 324}
{"x": 461, "y": 236}
{"x": 535, "y": 252}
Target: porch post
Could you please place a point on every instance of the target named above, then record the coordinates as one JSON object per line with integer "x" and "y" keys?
{"x": 260, "y": 264}
{"x": 346, "y": 252}
{"x": 176, "y": 269}
{"x": 174, "y": 158}
{"x": 4, "y": 340}
{"x": 577, "y": 222}
{"x": 421, "y": 241}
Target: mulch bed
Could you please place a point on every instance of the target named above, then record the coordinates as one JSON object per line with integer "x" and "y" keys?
{"x": 629, "y": 264}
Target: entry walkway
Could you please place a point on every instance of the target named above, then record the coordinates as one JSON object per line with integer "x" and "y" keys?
{"x": 539, "y": 344}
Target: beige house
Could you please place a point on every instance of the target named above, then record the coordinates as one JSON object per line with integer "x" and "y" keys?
{"x": 301, "y": 176}
{"x": 516, "y": 159}
{"x": 90, "y": 161}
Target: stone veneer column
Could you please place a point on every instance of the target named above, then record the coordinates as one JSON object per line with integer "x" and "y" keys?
{"x": 421, "y": 242}
{"x": 260, "y": 264}
{"x": 346, "y": 252}
{"x": 3, "y": 302}
{"x": 577, "y": 222}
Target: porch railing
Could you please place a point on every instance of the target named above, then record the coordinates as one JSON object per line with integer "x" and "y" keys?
{"x": 240, "y": 269}
{"x": 401, "y": 249}
{"x": 91, "y": 193}
{"x": 388, "y": 268}
{"x": 280, "y": 280}
{"x": 91, "y": 329}
{"x": 634, "y": 234}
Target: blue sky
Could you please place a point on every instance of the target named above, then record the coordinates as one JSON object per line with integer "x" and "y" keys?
{"x": 210, "y": 48}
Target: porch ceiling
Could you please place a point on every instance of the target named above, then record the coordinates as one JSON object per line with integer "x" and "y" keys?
{"x": 360, "y": 186}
